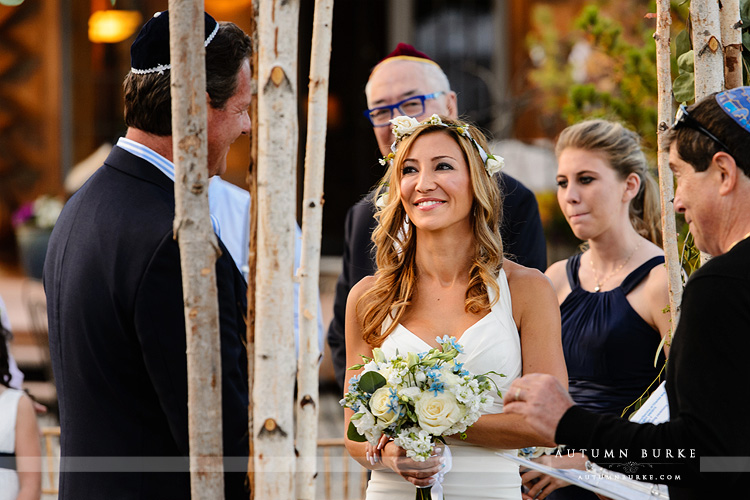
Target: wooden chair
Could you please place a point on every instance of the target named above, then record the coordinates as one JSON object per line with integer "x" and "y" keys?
{"x": 343, "y": 477}
{"x": 51, "y": 465}
{"x": 42, "y": 388}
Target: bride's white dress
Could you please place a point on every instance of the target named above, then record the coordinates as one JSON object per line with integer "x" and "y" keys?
{"x": 492, "y": 343}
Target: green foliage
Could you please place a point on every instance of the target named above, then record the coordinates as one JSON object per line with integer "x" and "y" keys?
{"x": 617, "y": 81}
{"x": 684, "y": 84}
{"x": 353, "y": 434}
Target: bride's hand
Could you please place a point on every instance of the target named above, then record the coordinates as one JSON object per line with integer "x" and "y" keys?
{"x": 372, "y": 453}
{"x": 417, "y": 473}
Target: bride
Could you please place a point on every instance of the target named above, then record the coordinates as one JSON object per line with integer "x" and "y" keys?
{"x": 441, "y": 272}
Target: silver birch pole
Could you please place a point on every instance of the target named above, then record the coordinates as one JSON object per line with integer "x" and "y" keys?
{"x": 666, "y": 181}
{"x": 198, "y": 247}
{"x": 312, "y": 223}
{"x": 275, "y": 365}
{"x": 252, "y": 181}
{"x": 709, "y": 58}
{"x": 731, "y": 39}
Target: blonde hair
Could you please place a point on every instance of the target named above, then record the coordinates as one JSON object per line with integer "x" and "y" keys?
{"x": 622, "y": 150}
{"x": 395, "y": 240}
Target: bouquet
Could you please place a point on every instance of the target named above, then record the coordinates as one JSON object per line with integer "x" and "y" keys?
{"x": 416, "y": 399}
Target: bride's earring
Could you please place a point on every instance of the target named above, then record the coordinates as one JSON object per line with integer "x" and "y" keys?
{"x": 406, "y": 219}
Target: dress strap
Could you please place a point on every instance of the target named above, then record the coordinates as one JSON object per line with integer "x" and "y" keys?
{"x": 632, "y": 279}
{"x": 572, "y": 266}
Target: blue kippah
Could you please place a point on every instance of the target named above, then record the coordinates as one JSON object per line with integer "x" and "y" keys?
{"x": 150, "y": 50}
{"x": 736, "y": 103}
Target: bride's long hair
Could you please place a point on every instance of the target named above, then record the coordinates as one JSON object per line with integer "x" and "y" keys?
{"x": 395, "y": 239}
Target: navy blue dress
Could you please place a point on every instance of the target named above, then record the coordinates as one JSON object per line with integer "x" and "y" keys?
{"x": 609, "y": 349}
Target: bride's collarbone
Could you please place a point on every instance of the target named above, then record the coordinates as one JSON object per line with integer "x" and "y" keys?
{"x": 428, "y": 319}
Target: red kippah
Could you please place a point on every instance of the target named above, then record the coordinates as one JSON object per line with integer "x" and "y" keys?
{"x": 404, "y": 49}
{"x": 406, "y": 52}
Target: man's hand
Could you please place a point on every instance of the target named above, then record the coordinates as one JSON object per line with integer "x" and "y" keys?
{"x": 541, "y": 400}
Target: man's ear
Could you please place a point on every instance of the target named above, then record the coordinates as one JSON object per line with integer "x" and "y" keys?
{"x": 728, "y": 171}
{"x": 632, "y": 186}
{"x": 452, "y": 105}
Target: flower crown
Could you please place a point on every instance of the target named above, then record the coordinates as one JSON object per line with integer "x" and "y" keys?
{"x": 406, "y": 125}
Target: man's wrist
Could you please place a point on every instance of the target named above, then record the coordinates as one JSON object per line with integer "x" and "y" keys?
{"x": 574, "y": 427}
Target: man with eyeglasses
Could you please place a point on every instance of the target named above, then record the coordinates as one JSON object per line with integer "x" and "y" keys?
{"x": 407, "y": 82}
{"x": 704, "y": 449}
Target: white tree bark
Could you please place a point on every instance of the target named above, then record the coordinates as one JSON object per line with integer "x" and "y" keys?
{"x": 312, "y": 223}
{"x": 273, "y": 391}
{"x": 731, "y": 38}
{"x": 198, "y": 247}
{"x": 666, "y": 180}
{"x": 252, "y": 180}
{"x": 709, "y": 58}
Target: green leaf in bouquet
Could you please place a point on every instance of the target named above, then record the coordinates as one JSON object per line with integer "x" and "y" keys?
{"x": 371, "y": 381}
{"x": 355, "y": 367}
{"x": 378, "y": 355}
{"x": 354, "y": 435}
{"x": 412, "y": 359}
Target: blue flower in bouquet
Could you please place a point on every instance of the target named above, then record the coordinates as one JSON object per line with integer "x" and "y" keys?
{"x": 448, "y": 343}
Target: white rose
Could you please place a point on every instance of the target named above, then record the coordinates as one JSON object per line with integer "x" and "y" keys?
{"x": 404, "y": 125}
{"x": 438, "y": 413}
{"x": 379, "y": 407}
{"x": 494, "y": 164}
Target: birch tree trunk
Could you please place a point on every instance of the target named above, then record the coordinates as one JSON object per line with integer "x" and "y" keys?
{"x": 198, "y": 247}
{"x": 252, "y": 181}
{"x": 731, "y": 39}
{"x": 709, "y": 59}
{"x": 312, "y": 222}
{"x": 273, "y": 391}
{"x": 666, "y": 180}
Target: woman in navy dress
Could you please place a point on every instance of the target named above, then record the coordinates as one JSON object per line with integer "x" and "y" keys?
{"x": 614, "y": 295}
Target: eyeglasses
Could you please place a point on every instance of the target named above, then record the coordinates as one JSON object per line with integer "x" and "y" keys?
{"x": 684, "y": 119}
{"x": 411, "y": 106}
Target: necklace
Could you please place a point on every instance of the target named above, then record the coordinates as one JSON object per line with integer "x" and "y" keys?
{"x": 601, "y": 282}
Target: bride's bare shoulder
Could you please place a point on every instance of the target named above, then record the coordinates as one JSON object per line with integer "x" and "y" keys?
{"x": 525, "y": 281}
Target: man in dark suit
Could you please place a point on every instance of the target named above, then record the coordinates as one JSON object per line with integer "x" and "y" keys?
{"x": 407, "y": 82}
{"x": 114, "y": 291}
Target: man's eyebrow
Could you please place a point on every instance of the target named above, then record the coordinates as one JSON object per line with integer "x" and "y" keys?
{"x": 400, "y": 98}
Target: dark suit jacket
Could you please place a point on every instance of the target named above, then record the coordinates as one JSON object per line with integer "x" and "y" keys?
{"x": 521, "y": 230}
{"x": 117, "y": 340}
